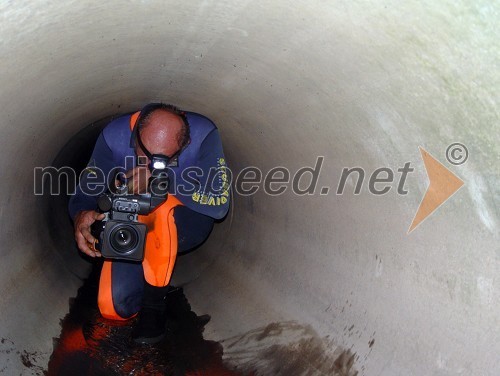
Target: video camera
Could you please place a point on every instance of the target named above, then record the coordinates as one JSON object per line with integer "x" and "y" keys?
{"x": 120, "y": 235}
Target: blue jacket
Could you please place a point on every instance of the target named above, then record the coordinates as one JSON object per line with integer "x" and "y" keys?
{"x": 200, "y": 182}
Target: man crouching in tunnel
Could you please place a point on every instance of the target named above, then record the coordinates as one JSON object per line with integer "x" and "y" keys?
{"x": 182, "y": 149}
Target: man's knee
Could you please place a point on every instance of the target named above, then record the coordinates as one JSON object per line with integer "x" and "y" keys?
{"x": 120, "y": 307}
{"x": 120, "y": 290}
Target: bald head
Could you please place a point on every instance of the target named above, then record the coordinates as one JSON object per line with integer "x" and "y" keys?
{"x": 162, "y": 132}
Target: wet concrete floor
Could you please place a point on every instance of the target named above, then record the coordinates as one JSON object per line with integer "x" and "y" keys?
{"x": 92, "y": 345}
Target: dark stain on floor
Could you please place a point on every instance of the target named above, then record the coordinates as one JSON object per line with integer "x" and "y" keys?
{"x": 92, "y": 345}
{"x": 288, "y": 348}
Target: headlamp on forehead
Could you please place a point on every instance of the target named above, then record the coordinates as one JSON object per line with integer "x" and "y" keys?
{"x": 158, "y": 163}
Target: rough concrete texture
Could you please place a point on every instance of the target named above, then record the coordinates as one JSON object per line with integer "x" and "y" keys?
{"x": 362, "y": 83}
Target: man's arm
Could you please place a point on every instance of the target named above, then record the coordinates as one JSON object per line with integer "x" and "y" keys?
{"x": 82, "y": 205}
{"x": 212, "y": 188}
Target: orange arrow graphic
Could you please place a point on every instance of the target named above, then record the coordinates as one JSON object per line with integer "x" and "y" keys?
{"x": 442, "y": 185}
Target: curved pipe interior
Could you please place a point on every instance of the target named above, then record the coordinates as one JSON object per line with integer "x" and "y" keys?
{"x": 361, "y": 83}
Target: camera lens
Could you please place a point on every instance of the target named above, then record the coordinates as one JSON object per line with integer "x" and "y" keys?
{"x": 124, "y": 239}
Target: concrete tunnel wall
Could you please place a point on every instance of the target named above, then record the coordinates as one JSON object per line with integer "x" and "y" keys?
{"x": 362, "y": 83}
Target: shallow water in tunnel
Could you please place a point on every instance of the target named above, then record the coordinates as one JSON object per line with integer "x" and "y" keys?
{"x": 90, "y": 345}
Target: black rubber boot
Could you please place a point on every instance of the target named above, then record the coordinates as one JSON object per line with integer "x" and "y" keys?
{"x": 151, "y": 326}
